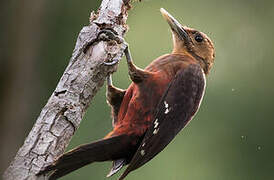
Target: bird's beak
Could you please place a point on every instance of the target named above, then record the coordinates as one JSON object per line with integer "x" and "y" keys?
{"x": 175, "y": 26}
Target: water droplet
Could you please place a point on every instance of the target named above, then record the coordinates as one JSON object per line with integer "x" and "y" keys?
{"x": 259, "y": 147}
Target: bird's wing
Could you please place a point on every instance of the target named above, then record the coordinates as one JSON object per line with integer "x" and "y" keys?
{"x": 176, "y": 108}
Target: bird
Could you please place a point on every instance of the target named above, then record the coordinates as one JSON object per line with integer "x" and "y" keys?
{"x": 157, "y": 105}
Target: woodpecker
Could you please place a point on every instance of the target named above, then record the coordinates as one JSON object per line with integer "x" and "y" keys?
{"x": 160, "y": 101}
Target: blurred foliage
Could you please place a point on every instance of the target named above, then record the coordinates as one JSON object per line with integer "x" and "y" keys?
{"x": 230, "y": 137}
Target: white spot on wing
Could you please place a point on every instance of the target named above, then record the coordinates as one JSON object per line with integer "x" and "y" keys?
{"x": 156, "y": 123}
{"x": 155, "y": 131}
{"x": 143, "y": 144}
{"x": 142, "y": 152}
{"x": 166, "y": 105}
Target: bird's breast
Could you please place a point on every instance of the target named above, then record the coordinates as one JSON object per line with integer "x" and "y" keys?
{"x": 139, "y": 103}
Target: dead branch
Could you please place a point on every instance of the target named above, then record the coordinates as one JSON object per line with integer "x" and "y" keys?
{"x": 84, "y": 75}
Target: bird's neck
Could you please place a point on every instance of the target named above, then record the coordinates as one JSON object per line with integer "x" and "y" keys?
{"x": 193, "y": 56}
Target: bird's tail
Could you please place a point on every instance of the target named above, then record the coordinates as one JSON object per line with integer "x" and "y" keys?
{"x": 112, "y": 148}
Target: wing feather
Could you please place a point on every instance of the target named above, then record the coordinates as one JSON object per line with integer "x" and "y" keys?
{"x": 177, "y": 106}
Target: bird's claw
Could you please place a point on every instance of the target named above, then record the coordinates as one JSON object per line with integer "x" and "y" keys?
{"x": 111, "y": 63}
{"x": 108, "y": 35}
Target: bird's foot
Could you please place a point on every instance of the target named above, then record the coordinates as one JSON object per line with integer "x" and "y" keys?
{"x": 107, "y": 35}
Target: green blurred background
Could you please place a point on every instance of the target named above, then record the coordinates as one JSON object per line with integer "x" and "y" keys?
{"x": 230, "y": 138}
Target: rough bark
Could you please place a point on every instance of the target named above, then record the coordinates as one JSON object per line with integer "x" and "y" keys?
{"x": 84, "y": 75}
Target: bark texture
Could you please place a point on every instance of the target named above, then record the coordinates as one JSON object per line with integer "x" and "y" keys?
{"x": 84, "y": 75}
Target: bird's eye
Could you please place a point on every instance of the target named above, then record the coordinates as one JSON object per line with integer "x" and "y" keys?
{"x": 199, "y": 38}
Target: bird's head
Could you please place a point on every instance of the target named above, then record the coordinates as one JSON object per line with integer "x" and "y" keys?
{"x": 191, "y": 42}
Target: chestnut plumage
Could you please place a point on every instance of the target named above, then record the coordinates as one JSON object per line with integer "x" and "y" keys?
{"x": 160, "y": 102}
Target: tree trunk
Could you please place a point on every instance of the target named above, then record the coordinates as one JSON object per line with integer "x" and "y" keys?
{"x": 84, "y": 75}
